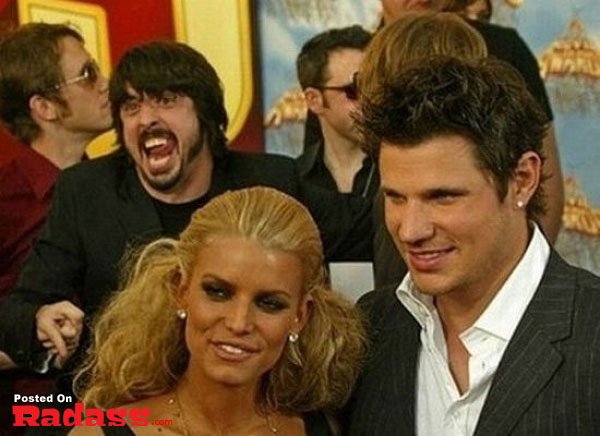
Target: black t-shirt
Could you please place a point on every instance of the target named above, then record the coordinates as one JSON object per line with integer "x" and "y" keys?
{"x": 312, "y": 169}
{"x": 175, "y": 217}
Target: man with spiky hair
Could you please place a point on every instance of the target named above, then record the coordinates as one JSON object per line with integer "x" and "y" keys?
{"x": 490, "y": 331}
{"x": 502, "y": 43}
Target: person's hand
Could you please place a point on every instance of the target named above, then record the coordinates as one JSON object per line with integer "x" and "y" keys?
{"x": 6, "y": 362}
{"x": 58, "y": 328}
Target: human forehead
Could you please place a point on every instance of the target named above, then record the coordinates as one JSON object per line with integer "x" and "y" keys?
{"x": 73, "y": 55}
{"x": 141, "y": 95}
{"x": 435, "y": 159}
{"x": 343, "y": 61}
{"x": 233, "y": 257}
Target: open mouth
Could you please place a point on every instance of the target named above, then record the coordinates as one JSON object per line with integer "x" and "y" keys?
{"x": 159, "y": 148}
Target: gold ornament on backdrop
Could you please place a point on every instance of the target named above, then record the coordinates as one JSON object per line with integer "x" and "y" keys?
{"x": 578, "y": 214}
{"x": 571, "y": 69}
{"x": 514, "y": 3}
{"x": 291, "y": 107}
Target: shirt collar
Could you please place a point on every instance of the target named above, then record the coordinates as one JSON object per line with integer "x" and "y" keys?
{"x": 504, "y": 312}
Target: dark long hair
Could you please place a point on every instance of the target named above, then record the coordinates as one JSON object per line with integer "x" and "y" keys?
{"x": 155, "y": 67}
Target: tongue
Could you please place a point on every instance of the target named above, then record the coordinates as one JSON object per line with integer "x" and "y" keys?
{"x": 161, "y": 150}
{"x": 160, "y": 156}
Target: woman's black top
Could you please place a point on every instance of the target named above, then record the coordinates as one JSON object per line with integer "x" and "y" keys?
{"x": 315, "y": 424}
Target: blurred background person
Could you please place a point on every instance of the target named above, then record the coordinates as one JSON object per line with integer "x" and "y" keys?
{"x": 325, "y": 67}
{"x": 230, "y": 329}
{"x": 479, "y": 10}
{"x": 54, "y": 101}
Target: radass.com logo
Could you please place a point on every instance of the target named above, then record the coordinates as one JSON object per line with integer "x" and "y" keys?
{"x": 30, "y": 415}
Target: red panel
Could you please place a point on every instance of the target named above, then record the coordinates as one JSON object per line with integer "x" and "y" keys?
{"x": 132, "y": 22}
{"x": 135, "y": 21}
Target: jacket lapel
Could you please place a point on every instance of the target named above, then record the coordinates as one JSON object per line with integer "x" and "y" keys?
{"x": 392, "y": 381}
{"x": 530, "y": 359}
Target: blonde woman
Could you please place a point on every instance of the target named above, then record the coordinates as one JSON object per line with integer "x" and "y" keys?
{"x": 229, "y": 330}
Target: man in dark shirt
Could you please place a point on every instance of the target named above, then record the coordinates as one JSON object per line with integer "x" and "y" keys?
{"x": 326, "y": 67}
{"x": 169, "y": 114}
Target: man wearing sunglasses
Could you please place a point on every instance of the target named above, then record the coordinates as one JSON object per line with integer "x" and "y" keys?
{"x": 326, "y": 67}
{"x": 54, "y": 101}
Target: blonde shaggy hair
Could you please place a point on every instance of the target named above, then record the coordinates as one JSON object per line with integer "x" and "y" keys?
{"x": 413, "y": 38}
{"x": 138, "y": 348}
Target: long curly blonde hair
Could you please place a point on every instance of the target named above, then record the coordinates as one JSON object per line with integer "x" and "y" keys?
{"x": 138, "y": 348}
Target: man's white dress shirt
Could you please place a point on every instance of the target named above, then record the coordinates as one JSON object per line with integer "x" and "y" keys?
{"x": 440, "y": 409}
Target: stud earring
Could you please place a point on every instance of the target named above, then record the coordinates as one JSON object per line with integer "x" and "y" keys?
{"x": 181, "y": 314}
{"x": 293, "y": 337}
{"x": 520, "y": 204}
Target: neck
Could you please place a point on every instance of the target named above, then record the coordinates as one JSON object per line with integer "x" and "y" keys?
{"x": 63, "y": 150}
{"x": 195, "y": 180}
{"x": 343, "y": 158}
{"x": 227, "y": 410}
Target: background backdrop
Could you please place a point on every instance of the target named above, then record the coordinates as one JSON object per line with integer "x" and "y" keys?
{"x": 253, "y": 45}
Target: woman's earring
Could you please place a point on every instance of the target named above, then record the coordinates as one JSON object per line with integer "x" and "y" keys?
{"x": 181, "y": 314}
{"x": 520, "y": 204}
{"x": 293, "y": 337}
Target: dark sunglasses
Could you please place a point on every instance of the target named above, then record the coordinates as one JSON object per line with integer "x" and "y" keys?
{"x": 350, "y": 89}
{"x": 89, "y": 75}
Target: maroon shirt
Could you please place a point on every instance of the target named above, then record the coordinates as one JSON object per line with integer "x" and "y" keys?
{"x": 26, "y": 182}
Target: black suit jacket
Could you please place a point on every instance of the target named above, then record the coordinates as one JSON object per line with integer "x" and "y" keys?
{"x": 547, "y": 383}
{"x": 100, "y": 208}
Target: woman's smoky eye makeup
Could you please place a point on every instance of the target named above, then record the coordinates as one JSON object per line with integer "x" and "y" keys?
{"x": 272, "y": 303}
{"x": 215, "y": 291}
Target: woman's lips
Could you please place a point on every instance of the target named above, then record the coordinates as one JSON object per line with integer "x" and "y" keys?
{"x": 233, "y": 352}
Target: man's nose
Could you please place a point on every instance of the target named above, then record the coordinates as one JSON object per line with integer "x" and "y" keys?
{"x": 147, "y": 113}
{"x": 103, "y": 81}
{"x": 412, "y": 223}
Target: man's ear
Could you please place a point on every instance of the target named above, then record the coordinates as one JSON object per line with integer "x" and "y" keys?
{"x": 43, "y": 109}
{"x": 314, "y": 100}
{"x": 527, "y": 176}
